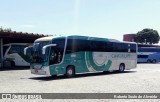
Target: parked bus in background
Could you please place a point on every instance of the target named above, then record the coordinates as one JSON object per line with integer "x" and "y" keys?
{"x": 14, "y": 55}
{"x": 148, "y": 54}
{"x": 78, "y": 54}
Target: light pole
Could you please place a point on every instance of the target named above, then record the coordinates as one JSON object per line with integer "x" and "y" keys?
{"x": 145, "y": 41}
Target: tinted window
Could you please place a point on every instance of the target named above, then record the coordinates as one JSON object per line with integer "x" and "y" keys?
{"x": 148, "y": 49}
{"x": 76, "y": 45}
{"x": 59, "y": 44}
{"x": 109, "y": 47}
{"x": 17, "y": 49}
{"x": 142, "y": 56}
{"x": 5, "y": 49}
{"x": 120, "y": 47}
{"x": 133, "y": 47}
{"x": 56, "y": 53}
{"x": 98, "y": 46}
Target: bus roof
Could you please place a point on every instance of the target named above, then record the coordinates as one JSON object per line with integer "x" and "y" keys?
{"x": 149, "y": 47}
{"x": 49, "y": 38}
{"x": 129, "y": 42}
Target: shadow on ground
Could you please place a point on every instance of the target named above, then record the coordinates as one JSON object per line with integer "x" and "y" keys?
{"x": 147, "y": 63}
{"x": 13, "y": 68}
{"x": 61, "y": 77}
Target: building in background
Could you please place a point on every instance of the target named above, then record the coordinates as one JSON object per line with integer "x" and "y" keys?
{"x": 7, "y": 37}
{"x": 129, "y": 37}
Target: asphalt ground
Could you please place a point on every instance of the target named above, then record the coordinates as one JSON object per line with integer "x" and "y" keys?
{"x": 144, "y": 79}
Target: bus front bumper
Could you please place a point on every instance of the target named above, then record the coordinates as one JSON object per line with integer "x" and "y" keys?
{"x": 42, "y": 71}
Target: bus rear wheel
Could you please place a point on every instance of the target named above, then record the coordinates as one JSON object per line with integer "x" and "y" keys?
{"x": 154, "y": 61}
{"x": 70, "y": 71}
{"x": 121, "y": 68}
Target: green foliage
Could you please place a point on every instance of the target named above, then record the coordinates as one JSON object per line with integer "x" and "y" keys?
{"x": 147, "y": 36}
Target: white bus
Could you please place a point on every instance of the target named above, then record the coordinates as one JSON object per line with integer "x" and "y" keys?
{"x": 79, "y": 54}
{"x": 13, "y": 55}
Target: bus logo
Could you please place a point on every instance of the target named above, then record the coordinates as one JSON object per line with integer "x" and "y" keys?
{"x": 100, "y": 58}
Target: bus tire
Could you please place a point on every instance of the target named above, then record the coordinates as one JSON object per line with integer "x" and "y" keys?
{"x": 121, "y": 68}
{"x": 148, "y": 61}
{"x": 53, "y": 76}
{"x": 12, "y": 64}
{"x": 70, "y": 71}
{"x": 154, "y": 61}
{"x": 105, "y": 72}
{"x": 7, "y": 64}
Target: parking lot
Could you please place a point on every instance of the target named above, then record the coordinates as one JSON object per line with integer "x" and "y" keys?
{"x": 144, "y": 79}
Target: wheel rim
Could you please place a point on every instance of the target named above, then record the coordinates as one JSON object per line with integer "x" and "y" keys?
{"x": 154, "y": 61}
{"x": 70, "y": 72}
{"x": 121, "y": 68}
{"x": 7, "y": 64}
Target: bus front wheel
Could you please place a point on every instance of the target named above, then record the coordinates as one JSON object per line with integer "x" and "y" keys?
{"x": 12, "y": 64}
{"x": 121, "y": 68}
{"x": 9, "y": 64}
{"x": 148, "y": 61}
{"x": 70, "y": 71}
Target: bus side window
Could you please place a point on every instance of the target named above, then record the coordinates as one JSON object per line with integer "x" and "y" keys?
{"x": 109, "y": 46}
{"x": 133, "y": 47}
{"x": 12, "y": 50}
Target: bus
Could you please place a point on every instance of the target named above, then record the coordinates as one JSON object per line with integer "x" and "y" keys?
{"x": 80, "y": 54}
{"x": 13, "y": 55}
{"x": 148, "y": 54}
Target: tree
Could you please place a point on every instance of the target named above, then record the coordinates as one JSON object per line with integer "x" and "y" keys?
{"x": 5, "y": 30}
{"x": 147, "y": 36}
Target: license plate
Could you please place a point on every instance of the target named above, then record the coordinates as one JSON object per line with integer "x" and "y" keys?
{"x": 36, "y": 71}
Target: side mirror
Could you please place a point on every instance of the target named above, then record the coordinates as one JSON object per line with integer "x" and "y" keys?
{"x": 45, "y": 47}
{"x": 28, "y": 50}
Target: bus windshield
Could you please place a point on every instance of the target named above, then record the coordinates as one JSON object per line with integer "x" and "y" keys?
{"x": 37, "y": 52}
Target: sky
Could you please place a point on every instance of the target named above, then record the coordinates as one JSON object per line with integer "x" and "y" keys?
{"x": 97, "y": 18}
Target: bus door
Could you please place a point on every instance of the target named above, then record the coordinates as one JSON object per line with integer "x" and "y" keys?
{"x": 55, "y": 58}
{"x": 56, "y": 55}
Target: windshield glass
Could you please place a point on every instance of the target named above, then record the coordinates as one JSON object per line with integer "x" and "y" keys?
{"x": 37, "y": 52}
